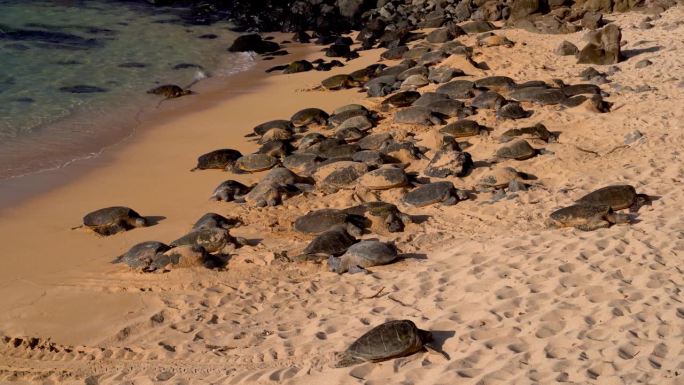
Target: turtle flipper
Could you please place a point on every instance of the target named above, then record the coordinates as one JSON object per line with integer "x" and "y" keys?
{"x": 432, "y": 348}
{"x": 346, "y": 360}
{"x": 591, "y": 226}
{"x": 357, "y": 269}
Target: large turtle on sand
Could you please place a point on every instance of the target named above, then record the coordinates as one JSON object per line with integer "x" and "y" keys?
{"x": 437, "y": 192}
{"x": 463, "y": 128}
{"x": 229, "y": 191}
{"x": 254, "y": 163}
{"x": 417, "y": 115}
{"x": 339, "y": 82}
{"x": 390, "y": 340}
{"x": 401, "y": 99}
{"x": 213, "y": 240}
{"x": 223, "y": 159}
{"x": 213, "y": 220}
{"x": 263, "y": 128}
{"x": 309, "y": 116}
{"x": 169, "y": 91}
{"x": 335, "y": 241}
{"x": 518, "y": 149}
{"x": 382, "y": 216}
{"x": 361, "y": 256}
{"x": 586, "y": 217}
{"x": 142, "y": 255}
{"x": 618, "y": 197}
{"x": 319, "y": 221}
{"x": 384, "y": 178}
{"x": 112, "y": 220}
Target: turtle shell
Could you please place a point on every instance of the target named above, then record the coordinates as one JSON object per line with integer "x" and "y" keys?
{"x": 110, "y": 216}
{"x": 384, "y": 178}
{"x": 218, "y": 159}
{"x": 143, "y": 254}
{"x": 430, "y": 193}
{"x": 580, "y": 213}
{"x": 255, "y": 162}
{"x": 518, "y": 150}
{"x": 316, "y": 222}
{"x": 462, "y": 128}
{"x": 389, "y": 340}
{"x": 331, "y": 242}
{"x": 308, "y": 116}
{"x": 212, "y": 239}
{"x": 618, "y": 197}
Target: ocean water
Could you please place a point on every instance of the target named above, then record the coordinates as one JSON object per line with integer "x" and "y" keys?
{"x": 74, "y": 74}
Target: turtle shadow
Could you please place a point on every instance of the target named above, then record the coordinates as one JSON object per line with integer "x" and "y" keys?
{"x": 154, "y": 220}
{"x": 630, "y": 53}
{"x": 418, "y": 219}
{"x": 404, "y": 256}
{"x": 439, "y": 337}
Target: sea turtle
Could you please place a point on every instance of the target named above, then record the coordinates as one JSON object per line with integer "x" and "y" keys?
{"x": 540, "y": 95}
{"x": 401, "y": 99}
{"x": 417, "y": 115}
{"x": 349, "y": 107}
{"x": 338, "y": 118}
{"x": 254, "y": 163}
{"x": 263, "y": 128}
{"x": 518, "y": 149}
{"x": 384, "y": 178}
{"x": 186, "y": 256}
{"x": 302, "y": 164}
{"x": 372, "y": 158}
{"x": 618, "y": 197}
{"x": 309, "y": 116}
{"x": 298, "y": 66}
{"x": 339, "y": 82}
{"x": 349, "y": 134}
{"x": 309, "y": 140}
{"x": 374, "y": 141}
{"x": 449, "y": 161}
{"x": 496, "y": 83}
{"x": 414, "y": 81}
{"x": 213, "y": 220}
{"x": 362, "y": 255}
{"x": 223, "y": 159}
{"x": 383, "y": 216}
{"x": 229, "y": 190}
{"x": 169, "y": 91}
{"x": 428, "y": 98}
{"x": 451, "y": 108}
{"x": 319, "y": 221}
{"x": 360, "y": 122}
{"x": 386, "y": 341}
{"x": 276, "y": 148}
{"x": 586, "y": 217}
{"x": 417, "y": 70}
{"x": 538, "y": 131}
{"x": 275, "y": 134}
{"x": 112, "y": 220}
{"x": 335, "y": 241}
{"x": 512, "y": 110}
{"x": 578, "y": 89}
{"x": 142, "y": 255}
{"x": 436, "y": 192}
{"x": 335, "y": 151}
{"x": 457, "y": 89}
{"x": 488, "y": 100}
{"x": 212, "y": 239}
{"x": 402, "y": 151}
{"x": 463, "y": 128}
{"x": 497, "y": 178}
{"x": 274, "y": 187}
{"x": 339, "y": 175}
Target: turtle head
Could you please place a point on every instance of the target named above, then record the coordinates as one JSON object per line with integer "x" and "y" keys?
{"x": 335, "y": 264}
{"x": 641, "y": 200}
{"x": 394, "y": 223}
{"x": 425, "y": 335}
{"x": 140, "y": 222}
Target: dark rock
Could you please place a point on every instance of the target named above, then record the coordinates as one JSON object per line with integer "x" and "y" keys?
{"x": 566, "y": 49}
{"x": 603, "y": 47}
{"x": 253, "y": 42}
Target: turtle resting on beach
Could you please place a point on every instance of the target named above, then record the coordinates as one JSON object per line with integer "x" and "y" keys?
{"x": 417, "y": 115}
{"x": 390, "y": 340}
{"x": 223, "y": 159}
{"x": 142, "y": 255}
{"x": 384, "y": 178}
{"x": 339, "y": 82}
{"x": 169, "y": 91}
{"x": 319, "y": 221}
{"x": 335, "y": 241}
{"x": 213, "y": 220}
{"x": 229, "y": 191}
{"x": 112, "y": 220}
{"x": 383, "y": 216}
{"x": 213, "y": 240}
{"x": 618, "y": 197}
{"x": 436, "y": 192}
{"x": 310, "y": 116}
{"x": 586, "y": 217}
{"x": 274, "y": 187}
{"x": 361, "y": 256}
{"x": 518, "y": 149}
{"x": 254, "y": 163}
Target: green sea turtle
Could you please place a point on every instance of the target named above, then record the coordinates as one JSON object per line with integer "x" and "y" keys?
{"x": 449, "y": 161}
{"x": 372, "y": 158}
{"x": 186, "y": 256}
{"x": 414, "y": 81}
{"x": 428, "y": 98}
{"x": 254, "y": 163}
{"x": 362, "y": 255}
{"x": 309, "y": 116}
{"x": 302, "y": 164}
{"x": 382, "y": 216}
{"x": 498, "y": 178}
{"x": 451, "y": 108}
{"x": 540, "y": 95}
{"x": 339, "y": 82}
{"x": 349, "y": 107}
{"x": 360, "y": 122}
{"x": 309, "y": 140}
{"x": 437, "y": 192}
{"x": 488, "y": 100}
{"x": 496, "y": 83}
{"x": 349, "y": 134}
{"x": 463, "y": 128}
{"x": 275, "y": 134}
{"x": 386, "y": 341}
{"x": 586, "y": 217}
{"x": 339, "y": 175}
{"x": 374, "y": 141}
{"x": 263, "y": 128}
{"x": 384, "y": 178}
{"x": 512, "y": 110}
{"x": 112, "y": 220}
{"x": 618, "y": 197}
{"x": 276, "y": 148}
{"x": 518, "y": 149}
{"x": 142, "y": 255}
{"x": 457, "y": 89}
{"x": 340, "y": 117}
{"x": 213, "y": 220}
{"x": 229, "y": 190}
{"x": 169, "y": 91}
{"x": 223, "y": 159}
{"x": 417, "y": 115}
{"x": 538, "y": 131}
{"x": 278, "y": 184}
{"x": 213, "y": 240}
{"x": 319, "y": 221}
{"x": 335, "y": 241}
{"x": 401, "y": 99}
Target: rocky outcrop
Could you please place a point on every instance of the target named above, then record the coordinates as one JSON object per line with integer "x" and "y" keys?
{"x": 603, "y": 47}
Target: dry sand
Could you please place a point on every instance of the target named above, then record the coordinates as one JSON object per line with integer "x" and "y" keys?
{"x": 511, "y": 301}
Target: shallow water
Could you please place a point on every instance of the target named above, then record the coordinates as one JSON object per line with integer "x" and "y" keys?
{"x": 74, "y": 74}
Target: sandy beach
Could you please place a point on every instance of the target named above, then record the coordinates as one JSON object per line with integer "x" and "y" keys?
{"x": 510, "y": 300}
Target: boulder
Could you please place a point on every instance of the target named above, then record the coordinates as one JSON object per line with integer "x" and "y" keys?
{"x": 603, "y": 47}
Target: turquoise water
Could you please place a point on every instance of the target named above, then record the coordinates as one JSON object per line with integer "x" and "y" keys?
{"x": 73, "y": 74}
